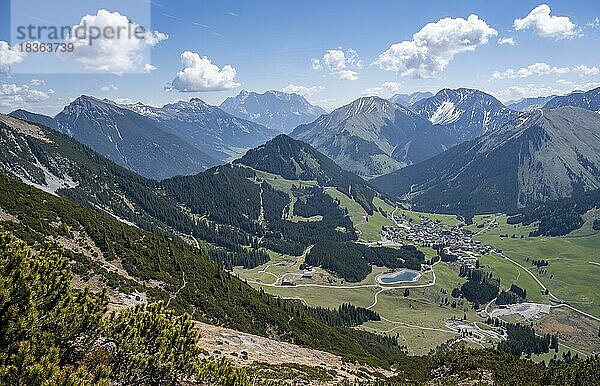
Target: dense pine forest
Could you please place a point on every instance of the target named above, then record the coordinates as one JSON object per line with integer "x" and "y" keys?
{"x": 354, "y": 262}
{"x": 480, "y": 287}
{"x": 209, "y": 293}
{"x": 296, "y": 160}
{"x": 51, "y": 333}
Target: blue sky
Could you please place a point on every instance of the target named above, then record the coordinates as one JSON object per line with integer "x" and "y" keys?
{"x": 275, "y": 45}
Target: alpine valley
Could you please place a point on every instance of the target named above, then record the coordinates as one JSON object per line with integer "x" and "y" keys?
{"x": 427, "y": 239}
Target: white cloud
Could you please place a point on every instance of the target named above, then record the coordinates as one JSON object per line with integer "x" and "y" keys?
{"x": 507, "y": 41}
{"x": 15, "y": 96}
{"x": 347, "y": 75}
{"x": 340, "y": 63}
{"x": 543, "y": 69}
{"x": 123, "y": 101}
{"x": 564, "y": 82}
{"x": 584, "y": 70}
{"x": 435, "y": 45}
{"x": 9, "y": 56}
{"x": 149, "y": 68}
{"x": 536, "y": 90}
{"x": 386, "y": 88}
{"x": 518, "y": 92}
{"x": 532, "y": 69}
{"x": 118, "y": 54}
{"x": 37, "y": 82}
{"x": 315, "y": 64}
{"x": 392, "y": 86}
{"x": 546, "y": 25}
{"x": 110, "y": 87}
{"x": 306, "y": 92}
{"x": 199, "y": 74}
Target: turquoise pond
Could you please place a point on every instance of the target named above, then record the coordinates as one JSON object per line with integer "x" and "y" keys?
{"x": 399, "y": 277}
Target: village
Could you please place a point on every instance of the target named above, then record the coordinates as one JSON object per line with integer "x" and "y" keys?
{"x": 455, "y": 241}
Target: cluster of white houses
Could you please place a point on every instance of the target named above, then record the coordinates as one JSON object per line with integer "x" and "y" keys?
{"x": 428, "y": 233}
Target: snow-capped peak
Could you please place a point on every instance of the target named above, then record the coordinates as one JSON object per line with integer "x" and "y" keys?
{"x": 445, "y": 114}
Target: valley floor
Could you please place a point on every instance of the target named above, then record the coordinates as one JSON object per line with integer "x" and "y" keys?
{"x": 421, "y": 319}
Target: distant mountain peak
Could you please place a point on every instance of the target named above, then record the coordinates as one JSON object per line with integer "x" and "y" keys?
{"x": 540, "y": 155}
{"x": 589, "y": 100}
{"x": 277, "y": 110}
{"x": 372, "y": 136}
{"x": 466, "y": 113}
{"x": 86, "y": 104}
{"x": 528, "y": 104}
{"x": 409, "y": 99}
{"x": 196, "y": 101}
{"x": 130, "y": 138}
{"x": 369, "y": 104}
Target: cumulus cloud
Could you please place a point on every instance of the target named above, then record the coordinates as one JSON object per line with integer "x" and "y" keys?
{"x": 386, "y": 88}
{"x": 518, "y": 92}
{"x": 123, "y": 101}
{"x": 9, "y": 56}
{"x": 306, "y": 92}
{"x": 532, "y": 90}
{"x": 435, "y": 45}
{"x": 507, "y": 41}
{"x": 199, "y": 74}
{"x": 546, "y": 25}
{"x": 116, "y": 54}
{"x": 584, "y": 70}
{"x": 340, "y": 63}
{"x": 110, "y": 87}
{"x": 543, "y": 69}
{"x": 37, "y": 82}
{"x": 347, "y": 75}
{"x": 15, "y": 96}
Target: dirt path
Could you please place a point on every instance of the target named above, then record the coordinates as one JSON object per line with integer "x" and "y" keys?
{"x": 174, "y": 294}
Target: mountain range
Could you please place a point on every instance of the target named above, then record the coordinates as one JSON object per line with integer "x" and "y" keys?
{"x": 409, "y": 99}
{"x": 369, "y": 137}
{"x": 463, "y": 113}
{"x": 528, "y": 104}
{"x": 180, "y": 138}
{"x": 207, "y": 127}
{"x": 372, "y": 136}
{"x": 238, "y": 203}
{"x": 541, "y": 155}
{"x": 589, "y": 100}
{"x": 277, "y": 110}
{"x": 177, "y": 238}
{"x": 127, "y": 138}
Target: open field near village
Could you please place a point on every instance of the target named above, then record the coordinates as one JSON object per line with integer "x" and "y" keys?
{"x": 420, "y": 318}
{"x": 574, "y": 262}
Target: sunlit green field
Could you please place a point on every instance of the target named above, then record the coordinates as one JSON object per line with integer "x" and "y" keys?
{"x": 509, "y": 274}
{"x": 369, "y": 226}
{"x": 570, "y": 274}
{"x": 419, "y": 319}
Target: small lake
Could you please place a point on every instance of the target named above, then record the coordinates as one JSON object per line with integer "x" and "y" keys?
{"x": 399, "y": 277}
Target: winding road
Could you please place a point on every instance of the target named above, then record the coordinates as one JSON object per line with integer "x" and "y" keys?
{"x": 562, "y": 303}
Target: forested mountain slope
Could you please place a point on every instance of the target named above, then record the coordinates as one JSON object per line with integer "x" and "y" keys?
{"x": 372, "y": 136}
{"x": 158, "y": 267}
{"x": 541, "y": 155}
